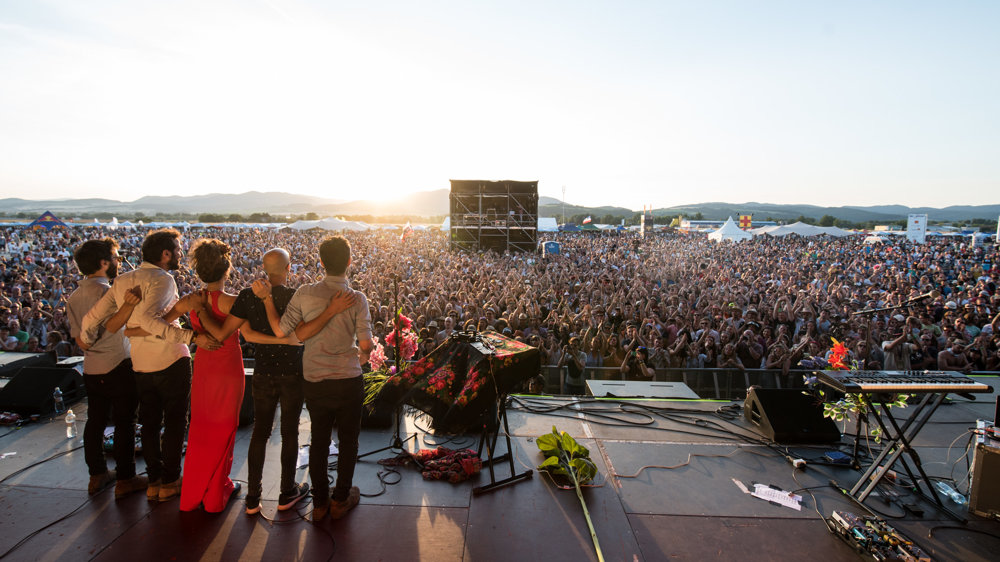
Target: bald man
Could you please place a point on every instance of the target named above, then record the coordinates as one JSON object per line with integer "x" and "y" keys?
{"x": 277, "y": 378}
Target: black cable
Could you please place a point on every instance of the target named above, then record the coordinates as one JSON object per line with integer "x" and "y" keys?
{"x": 930, "y": 532}
{"x": 32, "y": 465}
{"x": 35, "y": 533}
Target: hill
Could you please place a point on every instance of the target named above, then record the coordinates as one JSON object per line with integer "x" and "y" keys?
{"x": 434, "y": 203}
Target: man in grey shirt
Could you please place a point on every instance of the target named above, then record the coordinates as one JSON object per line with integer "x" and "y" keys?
{"x": 331, "y": 366}
{"x": 108, "y": 376}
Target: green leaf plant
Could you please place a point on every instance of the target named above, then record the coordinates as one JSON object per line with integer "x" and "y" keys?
{"x": 569, "y": 459}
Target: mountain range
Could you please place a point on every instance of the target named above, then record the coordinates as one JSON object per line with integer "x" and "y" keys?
{"x": 434, "y": 204}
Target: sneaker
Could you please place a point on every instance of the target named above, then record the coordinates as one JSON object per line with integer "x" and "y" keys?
{"x": 237, "y": 487}
{"x": 100, "y": 481}
{"x": 289, "y": 499}
{"x": 153, "y": 491}
{"x": 134, "y": 484}
{"x": 170, "y": 490}
{"x": 252, "y": 504}
{"x": 339, "y": 509}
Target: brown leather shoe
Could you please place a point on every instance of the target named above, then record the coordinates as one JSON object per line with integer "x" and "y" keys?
{"x": 153, "y": 491}
{"x": 170, "y": 490}
{"x": 320, "y": 511}
{"x": 134, "y": 484}
{"x": 339, "y": 509}
{"x": 99, "y": 482}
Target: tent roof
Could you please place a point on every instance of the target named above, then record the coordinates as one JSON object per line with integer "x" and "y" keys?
{"x": 729, "y": 231}
{"x": 802, "y": 229}
{"x": 46, "y": 220}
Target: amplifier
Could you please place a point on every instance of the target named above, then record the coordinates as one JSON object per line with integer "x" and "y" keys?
{"x": 984, "y": 492}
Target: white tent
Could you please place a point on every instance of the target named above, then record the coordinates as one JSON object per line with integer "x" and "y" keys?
{"x": 802, "y": 229}
{"x": 729, "y": 231}
{"x": 547, "y": 224}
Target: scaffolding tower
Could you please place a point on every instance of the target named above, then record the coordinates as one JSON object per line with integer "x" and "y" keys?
{"x": 494, "y": 215}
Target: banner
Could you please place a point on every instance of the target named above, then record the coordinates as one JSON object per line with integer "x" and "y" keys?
{"x": 916, "y": 228}
{"x": 746, "y": 222}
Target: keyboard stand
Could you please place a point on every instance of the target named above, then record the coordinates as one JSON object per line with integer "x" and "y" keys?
{"x": 898, "y": 442}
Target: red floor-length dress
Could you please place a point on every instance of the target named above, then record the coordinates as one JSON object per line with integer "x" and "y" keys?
{"x": 216, "y": 395}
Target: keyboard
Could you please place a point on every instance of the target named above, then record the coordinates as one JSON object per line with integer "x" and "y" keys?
{"x": 906, "y": 382}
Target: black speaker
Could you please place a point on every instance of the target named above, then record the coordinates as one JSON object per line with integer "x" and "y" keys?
{"x": 984, "y": 491}
{"x": 30, "y": 391}
{"x": 786, "y": 415}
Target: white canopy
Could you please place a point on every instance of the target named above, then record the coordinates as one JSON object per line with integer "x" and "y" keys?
{"x": 729, "y": 231}
{"x": 329, "y": 224}
{"x": 802, "y": 229}
{"x": 547, "y": 224}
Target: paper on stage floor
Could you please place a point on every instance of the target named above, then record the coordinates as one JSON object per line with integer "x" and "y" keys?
{"x": 767, "y": 493}
{"x": 303, "y": 459}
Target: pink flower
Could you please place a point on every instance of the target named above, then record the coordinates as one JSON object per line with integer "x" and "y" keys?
{"x": 377, "y": 356}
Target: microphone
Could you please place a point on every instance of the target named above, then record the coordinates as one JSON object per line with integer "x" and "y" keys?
{"x": 929, "y": 295}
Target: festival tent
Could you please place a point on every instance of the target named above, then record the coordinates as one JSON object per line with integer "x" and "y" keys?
{"x": 569, "y": 228}
{"x": 46, "y": 220}
{"x": 729, "y": 231}
{"x": 547, "y": 224}
{"x": 802, "y": 229}
{"x": 446, "y": 225}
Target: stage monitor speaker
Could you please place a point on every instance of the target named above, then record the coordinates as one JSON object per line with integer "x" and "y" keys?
{"x": 984, "y": 493}
{"x": 786, "y": 415}
{"x": 30, "y": 391}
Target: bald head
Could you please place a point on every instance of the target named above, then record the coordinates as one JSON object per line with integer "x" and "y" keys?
{"x": 276, "y": 263}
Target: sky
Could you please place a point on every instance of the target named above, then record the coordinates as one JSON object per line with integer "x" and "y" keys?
{"x": 632, "y": 104}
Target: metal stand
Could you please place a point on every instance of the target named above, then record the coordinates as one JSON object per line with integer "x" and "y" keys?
{"x": 898, "y": 442}
{"x": 397, "y": 413}
{"x": 489, "y": 439}
{"x": 491, "y": 433}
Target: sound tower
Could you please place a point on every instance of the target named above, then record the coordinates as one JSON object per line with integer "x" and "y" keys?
{"x": 30, "y": 391}
{"x": 494, "y": 215}
{"x": 786, "y": 415}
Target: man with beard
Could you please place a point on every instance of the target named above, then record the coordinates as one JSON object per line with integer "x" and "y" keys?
{"x": 107, "y": 371}
{"x": 161, "y": 360}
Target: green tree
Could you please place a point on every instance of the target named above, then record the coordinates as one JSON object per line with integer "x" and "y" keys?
{"x": 827, "y": 220}
{"x": 311, "y": 216}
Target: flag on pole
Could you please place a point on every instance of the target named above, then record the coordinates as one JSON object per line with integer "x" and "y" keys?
{"x": 746, "y": 221}
{"x": 407, "y": 231}
{"x": 587, "y": 220}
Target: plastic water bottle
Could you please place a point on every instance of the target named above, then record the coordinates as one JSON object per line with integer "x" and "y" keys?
{"x": 57, "y": 399}
{"x": 70, "y": 425}
{"x": 952, "y": 493}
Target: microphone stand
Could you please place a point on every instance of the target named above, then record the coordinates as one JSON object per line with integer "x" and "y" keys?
{"x": 397, "y": 442}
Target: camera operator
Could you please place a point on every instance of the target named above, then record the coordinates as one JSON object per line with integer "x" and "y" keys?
{"x": 575, "y": 362}
{"x": 636, "y": 365}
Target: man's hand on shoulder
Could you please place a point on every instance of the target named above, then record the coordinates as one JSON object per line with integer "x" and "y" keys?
{"x": 261, "y": 289}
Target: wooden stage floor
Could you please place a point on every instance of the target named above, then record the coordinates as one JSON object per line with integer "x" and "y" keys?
{"x": 691, "y": 511}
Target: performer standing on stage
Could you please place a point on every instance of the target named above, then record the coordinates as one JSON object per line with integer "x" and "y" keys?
{"x": 277, "y": 378}
{"x": 161, "y": 360}
{"x": 331, "y": 366}
{"x": 107, "y": 370}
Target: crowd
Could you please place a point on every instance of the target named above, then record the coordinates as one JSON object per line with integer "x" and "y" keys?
{"x": 611, "y": 300}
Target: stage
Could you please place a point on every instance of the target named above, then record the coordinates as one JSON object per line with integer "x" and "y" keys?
{"x": 694, "y": 511}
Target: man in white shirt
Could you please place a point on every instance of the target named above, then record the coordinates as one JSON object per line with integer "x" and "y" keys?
{"x": 161, "y": 360}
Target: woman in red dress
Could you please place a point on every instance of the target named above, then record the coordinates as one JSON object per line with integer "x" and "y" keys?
{"x": 217, "y": 384}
